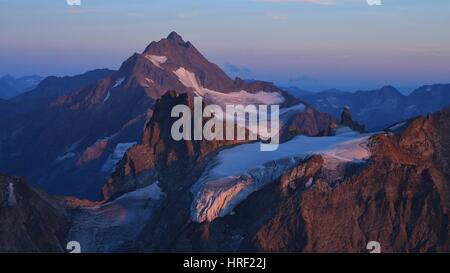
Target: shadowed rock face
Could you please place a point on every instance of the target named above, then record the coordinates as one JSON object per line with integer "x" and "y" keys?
{"x": 399, "y": 198}
{"x": 309, "y": 122}
{"x": 159, "y": 155}
{"x": 30, "y": 220}
{"x": 347, "y": 120}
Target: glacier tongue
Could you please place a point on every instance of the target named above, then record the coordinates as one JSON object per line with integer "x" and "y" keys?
{"x": 113, "y": 226}
{"x": 237, "y": 172}
{"x": 218, "y": 197}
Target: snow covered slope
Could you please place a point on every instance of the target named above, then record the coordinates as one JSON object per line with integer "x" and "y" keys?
{"x": 189, "y": 80}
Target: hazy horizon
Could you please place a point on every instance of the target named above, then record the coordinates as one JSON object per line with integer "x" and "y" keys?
{"x": 345, "y": 44}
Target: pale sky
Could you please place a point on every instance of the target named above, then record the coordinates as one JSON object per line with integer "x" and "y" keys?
{"x": 313, "y": 44}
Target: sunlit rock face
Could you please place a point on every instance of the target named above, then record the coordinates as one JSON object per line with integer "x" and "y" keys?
{"x": 397, "y": 196}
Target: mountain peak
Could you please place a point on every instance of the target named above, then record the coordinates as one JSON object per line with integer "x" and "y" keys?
{"x": 173, "y": 36}
{"x": 390, "y": 89}
{"x": 173, "y": 40}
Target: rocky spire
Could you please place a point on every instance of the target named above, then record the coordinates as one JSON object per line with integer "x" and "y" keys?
{"x": 347, "y": 120}
{"x": 175, "y": 37}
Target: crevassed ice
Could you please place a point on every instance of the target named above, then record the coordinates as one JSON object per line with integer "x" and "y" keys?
{"x": 105, "y": 228}
{"x": 156, "y": 60}
{"x": 237, "y": 172}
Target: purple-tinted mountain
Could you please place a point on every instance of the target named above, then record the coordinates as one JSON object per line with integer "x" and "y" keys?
{"x": 52, "y": 87}
{"x": 11, "y": 86}
{"x": 381, "y": 108}
{"x": 72, "y": 144}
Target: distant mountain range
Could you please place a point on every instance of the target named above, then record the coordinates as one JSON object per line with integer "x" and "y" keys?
{"x": 377, "y": 109}
{"x": 52, "y": 87}
{"x": 11, "y": 87}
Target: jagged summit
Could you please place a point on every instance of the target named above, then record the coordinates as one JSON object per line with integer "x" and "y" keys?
{"x": 173, "y": 40}
{"x": 347, "y": 120}
{"x": 389, "y": 89}
{"x": 173, "y": 36}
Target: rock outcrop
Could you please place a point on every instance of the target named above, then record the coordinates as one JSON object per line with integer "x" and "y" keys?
{"x": 30, "y": 220}
{"x": 347, "y": 120}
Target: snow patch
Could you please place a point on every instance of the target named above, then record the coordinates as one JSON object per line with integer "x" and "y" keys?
{"x": 189, "y": 80}
{"x": 64, "y": 157}
{"x": 150, "y": 192}
{"x": 108, "y": 95}
{"x": 156, "y": 60}
{"x": 343, "y": 130}
{"x": 12, "y": 201}
{"x": 118, "y": 82}
{"x": 397, "y": 126}
{"x": 309, "y": 183}
{"x": 148, "y": 82}
{"x": 116, "y": 156}
{"x": 237, "y": 172}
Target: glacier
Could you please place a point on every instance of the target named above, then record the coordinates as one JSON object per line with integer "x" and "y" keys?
{"x": 237, "y": 172}
{"x": 114, "y": 226}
